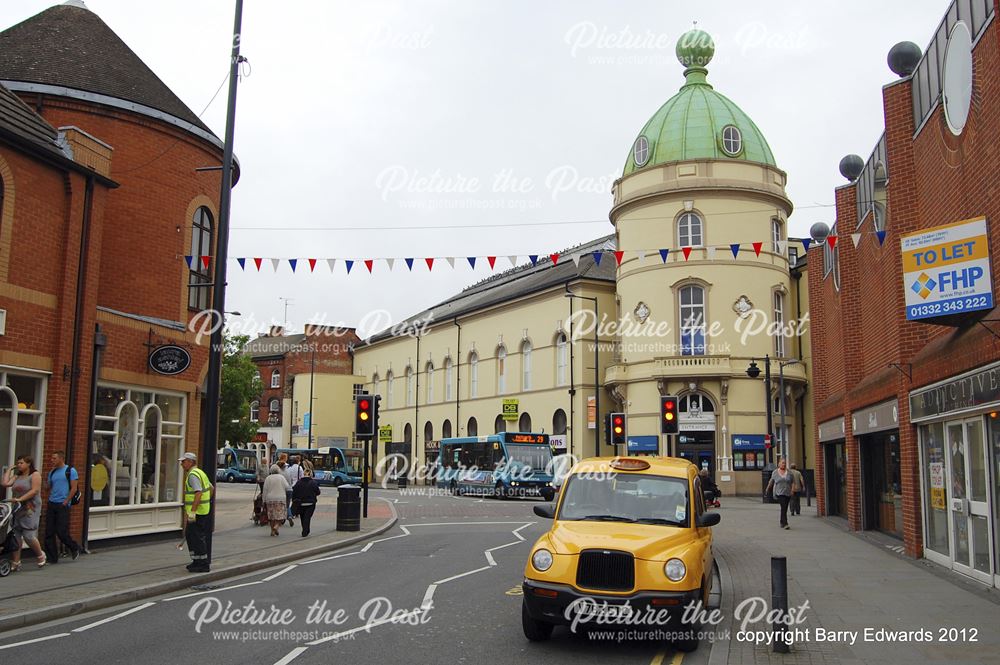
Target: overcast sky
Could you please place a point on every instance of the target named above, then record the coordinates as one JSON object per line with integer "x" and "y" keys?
{"x": 511, "y": 113}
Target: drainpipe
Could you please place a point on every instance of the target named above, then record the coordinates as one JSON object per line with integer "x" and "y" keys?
{"x": 458, "y": 379}
{"x": 81, "y": 283}
{"x": 416, "y": 405}
{"x": 572, "y": 384}
{"x": 100, "y": 341}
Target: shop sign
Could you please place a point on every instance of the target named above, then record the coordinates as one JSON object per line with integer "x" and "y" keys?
{"x": 878, "y": 418}
{"x": 260, "y": 437}
{"x": 169, "y": 359}
{"x": 972, "y": 390}
{"x": 385, "y": 433}
{"x": 937, "y": 485}
{"x": 946, "y": 270}
{"x": 510, "y": 409}
{"x": 643, "y": 444}
{"x": 748, "y": 441}
{"x": 831, "y": 430}
{"x": 558, "y": 441}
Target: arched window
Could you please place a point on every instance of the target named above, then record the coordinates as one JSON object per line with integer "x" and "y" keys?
{"x": 779, "y": 324}
{"x": 274, "y": 406}
{"x": 430, "y": 382}
{"x": 562, "y": 359}
{"x": 473, "y": 375}
{"x": 375, "y": 385}
{"x": 689, "y": 230}
{"x": 388, "y": 389}
{"x": 449, "y": 379}
{"x": 694, "y": 405}
{"x": 559, "y": 422}
{"x": 692, "y": 320}
{"x": 276, "y": 378}
{"x": 524, "y": 422}
{"x": 526, "y": 366}
{"x": 472, "y": 429}
{"x": 256, "y": 376}
{"x": 428, "y": 432}
{"x": 501, "y": 370}
{"x": 776, "y": 234}
{"x": 408, "y": 434}
{"x": 446, "y": 430}
{"x": 499, "y": 425}
{"x": 200, "y": 278}
{"x": 409, "y": 386}
{"x": 254, "y": 411}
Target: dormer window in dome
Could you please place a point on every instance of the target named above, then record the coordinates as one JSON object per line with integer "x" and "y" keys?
{"x": 640, "y": 151}
{"x": 732, "y": 140}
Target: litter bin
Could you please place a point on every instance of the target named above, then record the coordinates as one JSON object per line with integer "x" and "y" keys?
{"x": 765, "y": 477}
{"x": 349, "y": 508}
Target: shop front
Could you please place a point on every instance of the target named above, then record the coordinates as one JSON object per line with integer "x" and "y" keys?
{"x": 22, "y": 416}
{"x": 831, "y": 436}
{"x": 134, "y": 477}
{"x": 959, "y": 441}
{"x": 431, "y": 451}
{"x": 696, "y": 439}
{"x": 877, "y": 430}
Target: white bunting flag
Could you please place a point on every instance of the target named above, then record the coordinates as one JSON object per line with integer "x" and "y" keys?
{"x": 451, "y": 261}
{"x": 576, "y": 259}
{"x": 710, "y": 252}
{"x": 275, "y": 263}
{"x": 856, "y": 238}
{"x": 391, "y": 263}
{"x": 642, "y": 255}
{"x": 332, "y": 263}
{"x": 513, "y": 260}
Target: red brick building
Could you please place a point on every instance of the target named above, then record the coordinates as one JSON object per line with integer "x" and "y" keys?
{"x": 100, "y": 200}
{"x": 906, "y": 338}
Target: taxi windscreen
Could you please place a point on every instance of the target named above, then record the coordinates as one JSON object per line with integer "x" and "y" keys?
{"x": 620, "y": 497}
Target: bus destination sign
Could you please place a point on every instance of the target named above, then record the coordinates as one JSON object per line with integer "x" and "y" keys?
{"x": 526, "y": 438}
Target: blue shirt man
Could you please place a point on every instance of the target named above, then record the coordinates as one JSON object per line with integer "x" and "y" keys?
{"x": 58, "y": 485}
{"x": 61, "y": 490}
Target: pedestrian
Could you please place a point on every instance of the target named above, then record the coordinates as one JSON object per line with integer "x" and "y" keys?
{"x": 262, "y": 469}
{"x": 26, "y": 484}
{"x": 708, "y": 485}
{"x": 197, "y": 505}
{"x": 304, "y": 496}
{"x": 293, "y": 473}
{"x": 64, "y": 484}
{"x": 798, "y": 488}
{"x": 275, "y": 488}
{"x": 781, "y": 483}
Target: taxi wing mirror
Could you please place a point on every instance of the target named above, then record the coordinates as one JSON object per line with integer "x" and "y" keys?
{"x": 709, "y": 519}
{"x": 547, "y": 511}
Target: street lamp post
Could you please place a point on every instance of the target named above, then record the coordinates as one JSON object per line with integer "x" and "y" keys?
{"x": 597, "y": 373}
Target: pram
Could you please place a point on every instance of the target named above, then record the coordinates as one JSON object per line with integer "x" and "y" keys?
{"x": 8, "y": 544}
{"x": 259, "y": 516}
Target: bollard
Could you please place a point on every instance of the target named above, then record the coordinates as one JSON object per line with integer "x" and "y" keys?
{"x": 779, "y": 601}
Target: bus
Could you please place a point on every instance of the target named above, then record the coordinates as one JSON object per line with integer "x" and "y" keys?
{"x": 236, "y": 465}
{"x": 503, "y": 465}
{"x": 331, "y": 465}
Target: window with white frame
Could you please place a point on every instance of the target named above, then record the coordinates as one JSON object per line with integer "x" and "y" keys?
{"x": 254, "y": 411}
{"x": 692, "y": 320}
{"x": 274, "y": 406}
{"x": 22, "y": 418}
{"x": 640, "y": 151}
{"x": 562, "y": 359}
{"x": 388, "y": 389}
{"x": 526, "y": 365}
{"x": 200, "y": 277}
{"x": 779, "y": 324}
{"x": 430, "y": 382}
{"x": 501, "y": 370}
{"x": 689, "y": 230}
{"x": 449, "y": 378}
{"x": 732, "y": 140}
{"x": 473, "y": 375}
{"x": 276, "y": 378}
{"x": 409, "y": 386}
{"x": 776, "y": 234}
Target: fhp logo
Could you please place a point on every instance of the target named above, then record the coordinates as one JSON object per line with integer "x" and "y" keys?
{"x": 924, "y": 285}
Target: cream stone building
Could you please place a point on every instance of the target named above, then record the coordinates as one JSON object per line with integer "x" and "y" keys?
{"x": 708, "y": 284}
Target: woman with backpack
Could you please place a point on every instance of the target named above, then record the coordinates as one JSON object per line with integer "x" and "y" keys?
{"x": 304, "y": 497}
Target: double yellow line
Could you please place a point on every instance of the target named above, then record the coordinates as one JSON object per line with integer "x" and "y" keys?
{"x": 658, "y": 658}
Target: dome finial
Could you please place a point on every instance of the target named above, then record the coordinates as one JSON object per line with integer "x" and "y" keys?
{"x": 695, "y": 49}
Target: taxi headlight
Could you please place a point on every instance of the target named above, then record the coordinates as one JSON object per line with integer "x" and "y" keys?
{"x": 675, "y": 570}
{"x": 541, "y": 560}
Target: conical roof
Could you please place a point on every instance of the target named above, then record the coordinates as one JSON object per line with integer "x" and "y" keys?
{"x": 694, "y": 123}
{"x": 70, "y": 46}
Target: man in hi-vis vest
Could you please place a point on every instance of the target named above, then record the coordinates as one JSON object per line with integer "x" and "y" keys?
{"x": 197, "y": 503}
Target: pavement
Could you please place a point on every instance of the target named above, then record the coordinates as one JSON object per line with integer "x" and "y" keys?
{"x": 115, "y": 572}
{"x": 853, "y": 583}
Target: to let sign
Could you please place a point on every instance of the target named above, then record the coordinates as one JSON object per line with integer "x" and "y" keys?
{"x": 169, "y": 359}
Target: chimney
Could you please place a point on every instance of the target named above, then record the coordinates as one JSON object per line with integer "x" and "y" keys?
{"x": 276, "y": 331}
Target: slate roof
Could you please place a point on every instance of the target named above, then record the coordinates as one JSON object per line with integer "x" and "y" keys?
{"x": 22, "y": 125}
{"x": 70, "y": 46}
{"x": 521, "y": 281}
{"x": 266, "y": 347}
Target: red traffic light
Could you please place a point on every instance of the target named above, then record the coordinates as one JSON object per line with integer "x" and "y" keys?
{"x": 668, "y": 409}
{"x": 364, "y": 404}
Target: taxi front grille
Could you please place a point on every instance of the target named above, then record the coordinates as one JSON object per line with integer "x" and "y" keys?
{"x": 608, "y": 570}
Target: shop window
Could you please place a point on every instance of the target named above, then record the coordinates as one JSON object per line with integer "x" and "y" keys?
{"x": 153, "y": 469}
{"x": 200, "y": 279}
{"x": 22, "y": 418}
{"x": 932, "y": 459}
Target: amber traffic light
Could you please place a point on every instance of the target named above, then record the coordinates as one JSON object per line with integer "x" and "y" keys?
{"x": 364, "y": 415}
{"x": 668, "y": 415}
{"x": 618, "y": 428}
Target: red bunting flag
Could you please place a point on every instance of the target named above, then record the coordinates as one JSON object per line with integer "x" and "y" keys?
{"x": 430, "y": 263}
{"x": 204, "y": 261}
{"x": 687, "y": 252}
{"x": 618, "y": 256}
{"x": 757, "y": 247}
{"x": 369, "y": 263}
{"x": 831, "y": 241}
{"x": 492, "y": 260}
{"x": 312, "y": 265}
{"x": 257, "y": 262}
{"x": 555, "y": 259}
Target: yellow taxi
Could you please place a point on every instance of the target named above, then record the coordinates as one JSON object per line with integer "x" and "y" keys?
{"x": 630, "y": 547}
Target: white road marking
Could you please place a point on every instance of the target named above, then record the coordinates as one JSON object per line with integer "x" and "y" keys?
{"x": 328, "y": 558}
{"x": 38, "y": 639}
{"x": 110, "y": 619}
{"x": 400, "y": 619}
{"x": 469, "y": 572}
{"x": 199, "y": 593}
{"x": 280, "y": 573}
{"x": 428, "y": 600}
{"x": 292, "y": 655}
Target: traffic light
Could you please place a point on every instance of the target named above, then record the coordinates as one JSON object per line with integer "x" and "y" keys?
{"x": 618, "y": 429}
{"x": 668, "y": 415}
{"x": 364, "y": 415}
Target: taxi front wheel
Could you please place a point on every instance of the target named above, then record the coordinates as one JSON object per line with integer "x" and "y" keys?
{"x": 691, "y": 640}
{"x": 536, "y": 631}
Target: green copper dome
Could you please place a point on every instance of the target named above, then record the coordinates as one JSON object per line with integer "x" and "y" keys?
{"x": 697, "y": 122}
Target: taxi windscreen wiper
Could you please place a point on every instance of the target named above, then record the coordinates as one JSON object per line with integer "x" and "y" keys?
{"x": 659, "y": 520}
{"x": 608, "y": 518}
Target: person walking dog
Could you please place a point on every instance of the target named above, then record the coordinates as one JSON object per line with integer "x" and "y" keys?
{"x": 781, "y": 482}
{"x": 197, "y": 505}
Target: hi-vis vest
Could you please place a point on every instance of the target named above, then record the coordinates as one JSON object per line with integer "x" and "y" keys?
{"x": 206, "y": 493}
